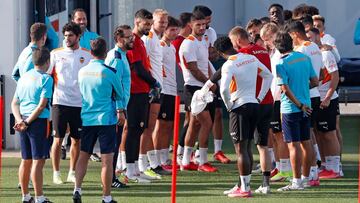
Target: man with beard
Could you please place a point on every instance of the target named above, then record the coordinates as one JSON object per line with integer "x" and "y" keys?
{"x": 194, "y": 58}
{"x": 65, "y": 63}
{"x": 116, "y": 58}
{"x": 141, "y": 84}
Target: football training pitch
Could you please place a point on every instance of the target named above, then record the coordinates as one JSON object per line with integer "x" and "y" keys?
{"x": 198, "y": 187}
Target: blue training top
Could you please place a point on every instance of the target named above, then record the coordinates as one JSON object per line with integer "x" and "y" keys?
{"x": 24, "y": 62}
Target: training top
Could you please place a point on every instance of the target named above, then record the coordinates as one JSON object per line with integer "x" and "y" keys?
{"x": 177, "y": 43}
{"x": 312, "y": 50}
{"x": 329, "y": 40}
{"x": 238, "y": 80}
{"x": 263, "y": 56}
{"x": 169, "y": 69}
{"x": 154, "y": 51}
{"x": 31, "y": 87}
{"x": 194, "y": 50}
{"x": 138, "y": 53}
{"x": 85, "y": 39}
{"x": 330, "y": 66}
{"x": 116, "y": 58}
{"x": 100, "y": 88}
{"x": 210, "y": 36}
{"x": 65, "y": 64}
{"x": 295, "y": 70}
{"x": 24, "y": 62}
{"x": 275, "y": 57}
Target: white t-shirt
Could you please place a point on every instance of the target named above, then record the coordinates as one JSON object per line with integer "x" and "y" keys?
{"x": 193, "y": 50}
{"x": 169, "y": 68}
{"x": 153, "y": 49}
{"x": 65, "y": 64}
{"x": 329, "y": 40}
{"x": 238, "y": 80}
{"x": 331, "y": 66}
{"x": 312, "y": 50}
{"x": 275, "y": 57}
{"x": 210, "y": 36}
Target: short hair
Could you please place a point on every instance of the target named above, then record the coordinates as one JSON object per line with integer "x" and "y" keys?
{"x": 257, "y": 38}
{"x": 223, "y": 44}
{"x": 295, "y": 26}
{"x": 98, "y": 47}
{"x": 313, "y": 10}
{"x": 160, "y": 12}
{"x": 143, "y": 14}
{"x": 253, "y": 22}
{"x": 206, "y": 11}
{"x": 319, "y": 17}
{"x": 37, "y": 31}
{"x": 75, "y": 11}
{"x": 197, "y": 16}
{"x": 276, "y": 5}
{"x": 307, "y": 20}
{"x": 265, "y": 20}
{"x": 287, "y": 15}
{"x": 173, "y": 22}
{"x": 269, "y": 28}
{"x": 239, "y": 32}
{"x": 185, "y": 18}
{"x": 72, "y": 27}
{"x": 40, "y": 56}
{"x": 283, "y": 42}
{"x": 315, "y": 30}
{"x": 302, "y": 10}
{"x": 119, "y": 31}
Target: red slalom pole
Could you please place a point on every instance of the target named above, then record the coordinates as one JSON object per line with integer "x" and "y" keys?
{"x": 175, "y": 145}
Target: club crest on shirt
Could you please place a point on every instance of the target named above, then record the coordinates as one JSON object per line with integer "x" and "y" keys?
{"x": 142, "y": 124}
{"x": 163, "y": 115}
{"x": 82, "y": 59}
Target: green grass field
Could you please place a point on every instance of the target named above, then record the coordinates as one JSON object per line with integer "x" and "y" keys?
{"x": 198, "y": 187}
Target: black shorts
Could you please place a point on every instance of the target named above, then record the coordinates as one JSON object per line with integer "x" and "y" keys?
{"x": 275, "y": 122}
{"x": 218, "y": 100}
{"x": 242, "y": 122}
{"x": 138, "y": 110}
{"x": 315, "y": 105}
{"x": 64, "y": 115}
{"x": 337, "y": 108}
{"x": 188, "y": 94}
{"x": 263, "y": 124}
{"x": 34, "y": 142}
{"x": 327, "y": 117}
{"x": 106, "y": 135}
{"x": 167, "y": 108}
{"x": 296, "y": 127}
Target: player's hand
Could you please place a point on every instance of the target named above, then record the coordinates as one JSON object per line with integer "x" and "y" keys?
{"x": 20, "y": 126}
{"x": 324, "y": 104}
{"x": 213, "y": 88}
{"x": 307, "y": 110}
{"x": 121, "y": 118}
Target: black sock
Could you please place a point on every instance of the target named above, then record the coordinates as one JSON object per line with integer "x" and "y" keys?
{"x": 239, "y": 182}
{"x": 266, "y": 179}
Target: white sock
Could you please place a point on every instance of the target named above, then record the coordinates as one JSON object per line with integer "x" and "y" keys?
{"x": 180, "y": 150}
{"x": 285, "y": 165}
{"x": 217, "y": 145}
{"x": 157, "y": 155}
{"x": 186, "y": 155}
{"x": 26, "y": 197}
{"x": 136, "y": 168}
{"x": 203, "y": 156}
{"x": 245, "y": 183}
{"x": 107, "y": 198}
{"x": 77, "y": 189}
{"x": 40, "y": 199}
{"x": 154, "y": 162}
{"x": 130, "y": 169}
{"x": 314, "y": 173}
{"x": 71, "y": 172}
{"x": 296, "y": 181}
{"x": 317, "y": 152}
{"x": 123, "y": 160}
{"x": 277, "y": 165}
{"x": 304, "y": 179}
{"x": 56, "y": 173}
{"x": 336, "y": 164}
{"x": 164, "y": 156}
{"x": 143, "y": 162}
{"x": 118, "y": 162}
{"x": 272, "y": 155}
{"x": 197, "y": 153}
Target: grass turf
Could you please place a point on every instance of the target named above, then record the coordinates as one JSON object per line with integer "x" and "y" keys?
{"x": 195, "y": 186}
